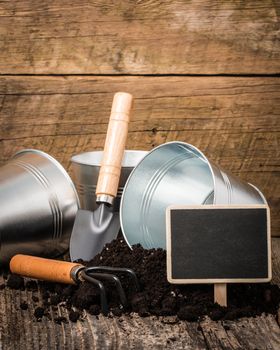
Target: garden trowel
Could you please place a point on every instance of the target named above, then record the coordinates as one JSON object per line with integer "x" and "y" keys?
{"x": 92, "y": 230}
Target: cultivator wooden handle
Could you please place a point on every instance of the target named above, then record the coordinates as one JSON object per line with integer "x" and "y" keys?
{"x": 110, "y": 170}
{"x": 70, "y": 273}
{"x": 44, "y": 269}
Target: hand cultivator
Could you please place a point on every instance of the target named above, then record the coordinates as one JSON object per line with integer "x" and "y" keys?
{"x": 72, "y": 273}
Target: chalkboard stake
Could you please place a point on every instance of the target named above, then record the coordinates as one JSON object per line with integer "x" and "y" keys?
{"x": 220, "y": 294}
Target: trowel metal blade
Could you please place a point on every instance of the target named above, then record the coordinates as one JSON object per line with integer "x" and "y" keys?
{"x": 91, "y": 231}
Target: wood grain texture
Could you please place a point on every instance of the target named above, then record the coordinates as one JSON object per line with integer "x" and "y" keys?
{"x": 248, "y": 333}
{"x": 275, "y": 252}
{"x": 131, "y": 332}
{"x": 235, "y": 121}
{"x": 139, "y": 37}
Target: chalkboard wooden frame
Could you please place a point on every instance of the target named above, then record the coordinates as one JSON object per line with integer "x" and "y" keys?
{"x": 171, "y": 279}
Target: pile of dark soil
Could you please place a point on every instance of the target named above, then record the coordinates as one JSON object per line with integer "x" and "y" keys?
{"x": 157, "y": 296}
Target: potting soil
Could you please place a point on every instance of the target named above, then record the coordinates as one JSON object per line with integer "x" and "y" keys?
{"x": 156, "y": 297}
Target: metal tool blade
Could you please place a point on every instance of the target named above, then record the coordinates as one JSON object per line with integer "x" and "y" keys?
{"x": 91, "y": 231}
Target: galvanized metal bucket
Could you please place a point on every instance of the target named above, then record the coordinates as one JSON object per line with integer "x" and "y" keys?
{"x": 175, "y": 173}
{"x": 38, "y": 204}
{"x": 86, "y": 170}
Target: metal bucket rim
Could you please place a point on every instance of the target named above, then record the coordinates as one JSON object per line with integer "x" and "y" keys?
{"x": 56, "y": 163}
{"x": 204, "y": 158}
{"x": 75, "y": 158}
{"x": 260, "y": 193}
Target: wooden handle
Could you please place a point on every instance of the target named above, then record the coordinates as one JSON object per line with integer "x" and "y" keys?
{"x": 110, "y": 170}
{"x": 220, "y": 294}
{"x": 43, "y": 269}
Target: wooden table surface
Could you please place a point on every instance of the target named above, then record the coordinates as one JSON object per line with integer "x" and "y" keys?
{"x": 20, "y": 330}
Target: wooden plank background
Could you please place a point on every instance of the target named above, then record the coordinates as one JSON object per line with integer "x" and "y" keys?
{"x": 203, "y": 72}
{"x": 139, "y": 37}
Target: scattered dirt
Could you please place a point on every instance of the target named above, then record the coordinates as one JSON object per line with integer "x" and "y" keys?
{"x": 157, "y": 296}
{"x": 60, "y": 319}
{"x": 74, "y": 316}
{"x": 35, "y": 299}
{"x": 39, "y": 312}
{"x": 31, "y": 285}
{"x": 24, "y": 305}
{"x": 15, "y": 282}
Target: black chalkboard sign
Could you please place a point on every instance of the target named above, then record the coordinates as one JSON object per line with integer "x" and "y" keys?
{"x": 218, "y": 244}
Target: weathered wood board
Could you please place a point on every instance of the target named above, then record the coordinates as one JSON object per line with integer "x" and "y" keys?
{"x": 235, "y": 121}
{"x": 19, "y": 329}
{"x": 275, "y": 254}
{"x": 139, "y": 37}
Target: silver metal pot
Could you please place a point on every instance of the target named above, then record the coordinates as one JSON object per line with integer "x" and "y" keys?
{"x": 175, "y": 173}
{"x": 38, "y": 204}
{"x": 86, "y": 170}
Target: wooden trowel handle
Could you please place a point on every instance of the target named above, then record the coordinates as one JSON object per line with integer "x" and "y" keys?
{"x": 43, "y": 269}
{"x": 110, "y": 170}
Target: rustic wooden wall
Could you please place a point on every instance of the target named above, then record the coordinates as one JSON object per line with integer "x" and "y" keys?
{"x": 204, "y": 72}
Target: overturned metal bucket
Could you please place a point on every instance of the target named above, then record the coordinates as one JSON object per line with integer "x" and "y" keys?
{"x": 175, "y": 173}
{"x": 86, "y": 170}
{"x": 38, "y": 204}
